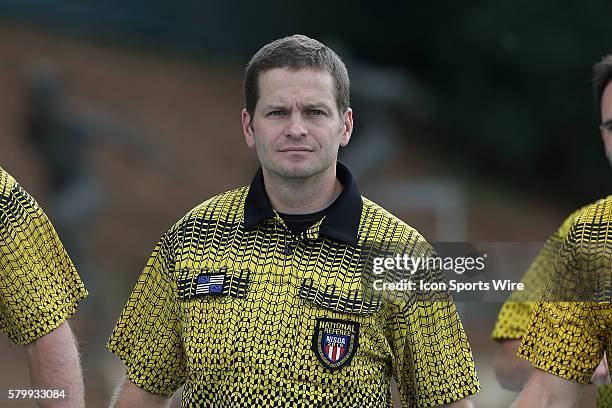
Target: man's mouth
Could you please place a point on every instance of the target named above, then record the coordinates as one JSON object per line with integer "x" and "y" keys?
{"x": 295, "y": 149}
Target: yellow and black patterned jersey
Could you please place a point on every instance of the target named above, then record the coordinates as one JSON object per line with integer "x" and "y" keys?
{"x": 572, "y": 327}
{"x": 39, "y": 286}
{"x": 243, "y": 313}
{"x": 514, "y": 315}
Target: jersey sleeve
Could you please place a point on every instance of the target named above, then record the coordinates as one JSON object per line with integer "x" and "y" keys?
{"x": 515, "y": 313}
{"x": 433, "y": 363}
{"x": 39, "y": 285}
{"x": 567, "y": 332}
{"x": 565, "y": 339}
{"x": 147, "y": 336}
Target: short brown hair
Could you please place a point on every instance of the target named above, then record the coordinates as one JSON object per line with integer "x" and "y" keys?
{"x": 602, "y": 74}
{"x": 296, "y": 52}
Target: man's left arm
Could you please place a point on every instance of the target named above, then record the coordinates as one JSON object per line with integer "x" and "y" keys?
{"x": 545, "y": 390}
{"x": 54, "y": 364}
{"x": 433, "y": 363}
{"x": 464, "y": 403}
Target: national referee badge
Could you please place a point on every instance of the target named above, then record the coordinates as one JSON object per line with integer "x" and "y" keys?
{"x": 335, "y": 342}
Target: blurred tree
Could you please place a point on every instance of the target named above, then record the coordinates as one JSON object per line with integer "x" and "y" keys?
{"x": 510, "y": 79}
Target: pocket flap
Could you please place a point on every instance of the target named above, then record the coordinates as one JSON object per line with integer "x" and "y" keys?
{"x": 331, "y": 297}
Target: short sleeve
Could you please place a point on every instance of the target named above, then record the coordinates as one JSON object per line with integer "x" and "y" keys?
{"x": 565, "y": 339}
{"x": 568, "y": 330}
{"x": 433, "y": 363}
{"x": 512, "y": 320}
{"x": 433, "y": 360}
{"x": 147, "y": 336}
{"x": 515, "y": 313}
{"x": 39, "y": 285}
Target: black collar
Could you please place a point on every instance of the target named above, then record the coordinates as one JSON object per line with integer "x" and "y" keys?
{"x": 342, "y": 221}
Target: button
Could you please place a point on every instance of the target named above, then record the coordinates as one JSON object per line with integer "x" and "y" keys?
{"x": 288, "y": 250}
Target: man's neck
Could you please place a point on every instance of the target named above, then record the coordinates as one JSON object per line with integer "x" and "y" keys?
{"x": 302, "y": 196}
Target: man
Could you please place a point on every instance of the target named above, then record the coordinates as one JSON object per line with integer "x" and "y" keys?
{"x": 569, "y": 334}
{"x": 511, "y": 371}
{"x": 261, "y": 296}
{"x": 39, "y": 291}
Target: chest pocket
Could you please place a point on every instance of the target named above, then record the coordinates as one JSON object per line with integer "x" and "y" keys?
{"x": 330, "y": 297}
{"x": 344, "y": 332}
{"x": 211, "y": 301}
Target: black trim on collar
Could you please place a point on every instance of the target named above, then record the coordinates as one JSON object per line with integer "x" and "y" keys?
{"x": 341, "y": 222}
{"x": 257, "y": 206}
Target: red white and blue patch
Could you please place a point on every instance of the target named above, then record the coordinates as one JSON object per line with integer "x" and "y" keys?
{"x": 335, "y": 342}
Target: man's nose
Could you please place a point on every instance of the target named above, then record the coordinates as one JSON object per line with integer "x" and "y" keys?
{"x": 296, "y": 127}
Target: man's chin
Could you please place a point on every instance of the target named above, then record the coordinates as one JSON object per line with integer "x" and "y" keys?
{"x": 296, "y": 172}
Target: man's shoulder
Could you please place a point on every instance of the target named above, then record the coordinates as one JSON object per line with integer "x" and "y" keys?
{"x": 597, "y": 213}
{"x": 227, "y": 206}
{"x": 566, "y": 226}
{"x": 7, "y": 182}
{"x": 12, "y": 194}
{"x": 379, "y": 225}
{"x": 591, "y": 225}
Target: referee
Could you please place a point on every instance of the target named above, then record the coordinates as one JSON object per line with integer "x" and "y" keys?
{"x": 262, "y": 296}
{"x": 511, "y": 371}
{"x": 568, "y": 336}
{"x": 39, "y": 291}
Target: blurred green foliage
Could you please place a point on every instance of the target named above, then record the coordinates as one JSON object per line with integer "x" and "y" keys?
{"x": 510, "y": 80}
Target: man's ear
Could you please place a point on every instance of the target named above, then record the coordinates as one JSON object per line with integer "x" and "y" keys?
{"x": 347, "y": 127}
{"x": 247, "y": 129}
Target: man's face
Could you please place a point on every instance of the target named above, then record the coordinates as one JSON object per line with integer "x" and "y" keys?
{"x": 296, "y": 128}
{"x": 606, "y": 120}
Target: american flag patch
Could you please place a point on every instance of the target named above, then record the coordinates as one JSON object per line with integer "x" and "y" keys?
{"x": 210, "y": 283}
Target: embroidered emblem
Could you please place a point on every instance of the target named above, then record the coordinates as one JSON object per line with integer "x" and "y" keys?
{"x": 335, "y": 342}
{"x": 192, "y": 283}
{"x": 210, "y": 283}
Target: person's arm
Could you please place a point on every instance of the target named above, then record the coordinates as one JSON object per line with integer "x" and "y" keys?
{"x": 129, "y": 395}
{"x": 464, "y": 403}
{"x": 511, "y": 372}
{"x": 601, "y": 376}
{"x": 54, "y": 365}
{"x": 545, "y": 390}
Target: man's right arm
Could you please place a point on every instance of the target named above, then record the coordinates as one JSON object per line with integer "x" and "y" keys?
{"x": 128, "y": 395}
{"x": 511, "y": 371}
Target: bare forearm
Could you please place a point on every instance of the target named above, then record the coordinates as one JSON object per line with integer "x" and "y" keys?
{"x": 464, "y": 403}
{"x": 54, "y": 365}
{"x": 128, "y": 395}
{"x": 544, "y": 390}
{"x": 512, "y": 372}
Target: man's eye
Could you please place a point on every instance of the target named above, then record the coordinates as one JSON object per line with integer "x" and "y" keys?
{"x": 276, "y": 113}
{"x": 606, "y": 127}
{"x": 316, "y": 112}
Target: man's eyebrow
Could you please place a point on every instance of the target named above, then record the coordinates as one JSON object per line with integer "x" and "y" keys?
{"x": 276, "y": 106}
{"x": 317, "y": 105}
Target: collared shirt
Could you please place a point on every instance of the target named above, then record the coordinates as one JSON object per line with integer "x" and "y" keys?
{"x": 570, "y": 329}
{"x": 243, "y": 313}
{"x": 516, "y": 312}
{"x": 39, "y": 286}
